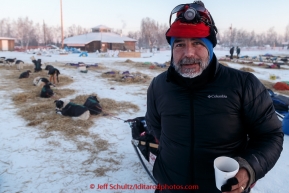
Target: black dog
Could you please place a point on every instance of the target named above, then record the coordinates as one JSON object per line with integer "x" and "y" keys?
{"x": 10, "y": 60}
{"x": 37, "y": 65}
{"x": 44, "y": 80}
{"x": 46, "y": 91}
{"x": 19, "y": 61}
{"x": 48, "y": 67}
{"x": 53, "y": 72}
{"x": 93, "y": 105}
{"x": 25, "y": 74}
{"x": 67, "y": 108}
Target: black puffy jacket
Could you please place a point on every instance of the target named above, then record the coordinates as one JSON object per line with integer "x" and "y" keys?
{"x": 196, "y": 122}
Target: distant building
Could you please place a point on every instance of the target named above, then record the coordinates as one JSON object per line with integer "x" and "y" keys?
{"x": 101, "y": 38}
{"x": 7, "y": 44}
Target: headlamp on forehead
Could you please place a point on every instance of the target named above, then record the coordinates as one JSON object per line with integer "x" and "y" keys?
{"x": 193, "y": 13}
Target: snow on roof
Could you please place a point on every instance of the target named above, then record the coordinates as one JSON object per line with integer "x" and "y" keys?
{"x": 5, "y": 38}
{"x": 101, "y": 27}
{"x": 97, "y": 36}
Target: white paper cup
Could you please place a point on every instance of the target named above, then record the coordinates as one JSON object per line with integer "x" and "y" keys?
{"x": 225, "y": 168}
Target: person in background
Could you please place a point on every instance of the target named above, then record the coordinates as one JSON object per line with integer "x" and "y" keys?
{"x": 231, "y": 52}
{"x": 199, "y": 110}
{"x": 238, "y": 51}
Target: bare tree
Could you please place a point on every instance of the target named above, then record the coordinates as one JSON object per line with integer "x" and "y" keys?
{"x": 280, "y": 39}
{"x": 252, "y": 39}
{"x": 49, "y": 35}
{"x": 2, "y": 26}
{"x": 161, "y": 38}
{"x": 271, "y": 37}
{"x": 76, "y": 30}
{"x": 72, "y": 31}
{"x": 38, "y": 34}
{"x": 224, "y": 38}
{"x": 227, "y": 38}
{"x": 286, "y": 36}
{"x": 261, "y": 39}
{"x": 6, "y": 28}
{"x": 240, "y": 38}
{"x": 24, "y": 31}
{"x": 19, "y": 29}
{"x": 56, "y": 32}
{"x": 149, "y": 31}
{"x": 133, "y": 35}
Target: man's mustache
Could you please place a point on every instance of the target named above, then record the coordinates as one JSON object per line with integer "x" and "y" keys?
{"x": 190, "y": 61}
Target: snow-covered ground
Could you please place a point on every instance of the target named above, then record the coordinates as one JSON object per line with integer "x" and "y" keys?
{"x": 31, "y": 162}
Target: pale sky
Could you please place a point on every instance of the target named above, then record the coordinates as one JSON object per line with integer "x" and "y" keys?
{"x": 257, "y": 15}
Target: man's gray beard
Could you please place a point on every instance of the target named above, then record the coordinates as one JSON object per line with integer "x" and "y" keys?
{"x": 189, "y": 73}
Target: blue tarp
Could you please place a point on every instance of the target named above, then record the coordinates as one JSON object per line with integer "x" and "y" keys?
{"x": 73, "y": 50}
{"x": 83, "y": 54}
{"x": 285, "y": 124}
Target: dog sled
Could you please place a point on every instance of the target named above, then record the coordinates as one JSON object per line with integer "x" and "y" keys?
{"x": 144, "y": 144}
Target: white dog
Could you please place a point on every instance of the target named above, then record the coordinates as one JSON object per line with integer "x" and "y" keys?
{"x": 38, "y": 81}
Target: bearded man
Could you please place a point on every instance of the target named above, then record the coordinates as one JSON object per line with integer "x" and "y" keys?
{"x": 199, "y": 110}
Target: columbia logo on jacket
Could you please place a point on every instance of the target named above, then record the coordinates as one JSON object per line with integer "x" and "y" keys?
{"x": 217, "y": 96}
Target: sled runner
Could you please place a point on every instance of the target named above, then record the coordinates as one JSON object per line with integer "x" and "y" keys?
{"x": 143, "y": 143}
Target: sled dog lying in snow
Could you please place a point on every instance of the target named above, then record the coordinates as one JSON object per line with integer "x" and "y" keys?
{"x": 38, "y": 81}
{"x": 46, "y": 91}
{"x": 67, "y": 108}
{"x": 93, "y": 105}
{"x": 25, "y": 74}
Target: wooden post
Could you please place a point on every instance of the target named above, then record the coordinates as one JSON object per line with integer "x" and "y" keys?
{"x": 61, "y": 24}
{"x": 231, "y": 41}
